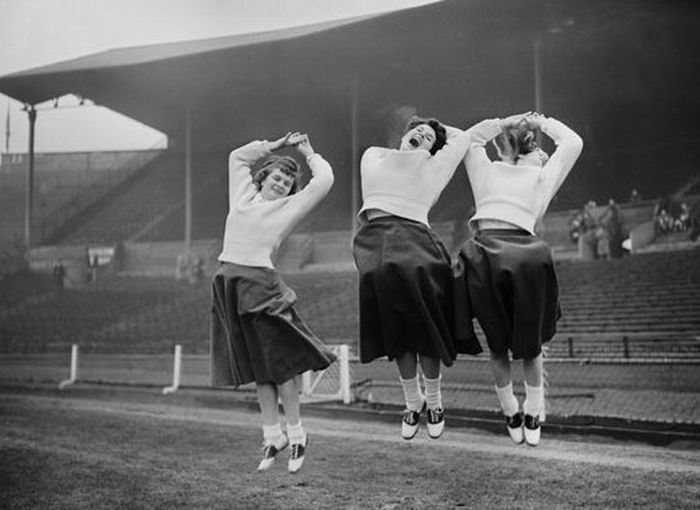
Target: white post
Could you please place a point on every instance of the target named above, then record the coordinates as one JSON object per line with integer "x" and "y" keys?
{"x": 73, "y": 368}
{"x": 176, "y": 371}
{"x": 344, "y": 360}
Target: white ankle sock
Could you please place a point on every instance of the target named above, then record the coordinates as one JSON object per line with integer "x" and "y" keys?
{"x": 272, "y": 434}
{"x": 296, "y": 434}
{"x": 412, "y": 394}
{"x": 433, "y": 396}
{"x": 534, "y": 401}
{"x": 509, "y": 404}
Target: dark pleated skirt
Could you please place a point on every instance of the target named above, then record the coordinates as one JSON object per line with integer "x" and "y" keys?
{"x": 406, "y": 292}
{"x": 256, "y": 335}
{"x": 511, "y": 289}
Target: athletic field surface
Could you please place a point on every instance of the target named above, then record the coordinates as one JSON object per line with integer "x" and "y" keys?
{"x": 99, "y": 446}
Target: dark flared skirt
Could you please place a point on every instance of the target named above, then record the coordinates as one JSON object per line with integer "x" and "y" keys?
{"x": 406, "y": 292}
{"x": 256, "y": 335}
{"x": 511, "y": 289}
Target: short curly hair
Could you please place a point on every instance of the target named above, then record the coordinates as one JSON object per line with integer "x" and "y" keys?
{"x": 440, "y": 132}
{"x": 287, "y": 164}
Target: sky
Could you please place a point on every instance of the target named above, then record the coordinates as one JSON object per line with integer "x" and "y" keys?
{"x": 40, "y": 32}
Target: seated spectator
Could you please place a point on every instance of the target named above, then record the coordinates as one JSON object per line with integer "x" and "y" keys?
{"x": 583, "y": 222}
{"x": 635, "y": 197}
{"x": 682, "y": 222}
{"x": 663, "y": 222}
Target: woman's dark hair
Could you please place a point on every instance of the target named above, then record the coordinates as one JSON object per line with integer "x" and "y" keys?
{"x": 440, "y": 133}
{"x": 287, "y": 164}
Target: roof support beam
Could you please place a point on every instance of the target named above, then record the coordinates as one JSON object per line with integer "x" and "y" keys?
{"x": 29, "y": 201}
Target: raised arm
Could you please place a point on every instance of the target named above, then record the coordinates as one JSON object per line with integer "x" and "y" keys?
{"x": 301, "y": 203}
{"x": 569, "y": 146}
{"x": 476, "y": 160}
{"x": 240, "y": 161}
{"x": 445, "y": 160}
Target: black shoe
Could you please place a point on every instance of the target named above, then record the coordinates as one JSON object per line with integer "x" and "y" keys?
{"x": 514, "y": 424}
{"x": 270, "y": 452}
{"x": 532, "y": 430}
{"x": 296, "y": 458}
{"x": 410, "y": 422}
{"x": 436, "y": 422}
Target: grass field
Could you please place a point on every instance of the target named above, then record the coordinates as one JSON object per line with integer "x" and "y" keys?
{"x": 69, "y": 452}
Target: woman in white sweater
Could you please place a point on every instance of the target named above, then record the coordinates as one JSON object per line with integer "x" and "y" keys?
{"x": 256, "y": 335}
{"x": 406, "y": 285}
{"x": 510, "y": 278}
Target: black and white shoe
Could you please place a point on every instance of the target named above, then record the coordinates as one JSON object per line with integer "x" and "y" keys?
{"x": 296, "y": 458}
{"x": 436, "y": 422}
{"x": 532, "y": 430}
{"x": 514, "y": 424}
{"x": 410, "y": 423}
{"x": 270, "y": 451}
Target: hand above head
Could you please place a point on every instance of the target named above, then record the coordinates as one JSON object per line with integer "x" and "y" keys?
{"x": 514, "y": 120}
{"x": 290, "y": 139}
{"x": 304, "y": 146}
{"x": 534, "y": 120}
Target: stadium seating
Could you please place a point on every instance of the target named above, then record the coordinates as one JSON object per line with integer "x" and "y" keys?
{"x": 655, "y": 296}
{"x": 64, "y": 185}
{"x": 128, "y": 209}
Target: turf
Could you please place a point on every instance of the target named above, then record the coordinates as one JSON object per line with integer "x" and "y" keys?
{"x": 58, "y": 456}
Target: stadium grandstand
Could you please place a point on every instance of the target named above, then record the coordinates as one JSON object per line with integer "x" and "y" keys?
{"x": 138, "y": 233}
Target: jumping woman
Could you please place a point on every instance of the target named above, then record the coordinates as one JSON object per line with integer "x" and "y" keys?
{"x": 256, "y": 334}
{"x": 510, "y": 278}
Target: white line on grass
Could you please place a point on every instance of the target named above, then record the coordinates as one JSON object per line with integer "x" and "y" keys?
{"x": 631, "y": 456}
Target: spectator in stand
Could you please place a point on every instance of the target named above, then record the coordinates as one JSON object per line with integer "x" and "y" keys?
{"x": 256, "y": 334}
{"x": 587, "y": 225}
{"x": 635, "y": 197}
{"x": 663, "y": 221}
{"x": 59, "y": 274}
{"x": 610, "y": 220}
{"x": 602, "y": 243}
{"x": 582, "y": 222}
{"x": 694, "y": 220}
{"x": 671, "y": 215}
{"x": 682, "y": 222}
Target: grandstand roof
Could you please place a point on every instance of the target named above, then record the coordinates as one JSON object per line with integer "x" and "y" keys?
{"x": 615, "y": 71}
{"x": 154, "y": 52}
{"x": 288, "y": 69}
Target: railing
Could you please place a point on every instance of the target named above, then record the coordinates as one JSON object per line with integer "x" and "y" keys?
{"x": 626, "y": 346}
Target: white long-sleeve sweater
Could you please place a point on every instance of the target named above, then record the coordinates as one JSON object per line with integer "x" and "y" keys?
{"x": 518, "y": 194}
{"x": 408, "y": 183}
{"x": 255, "y": 227}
